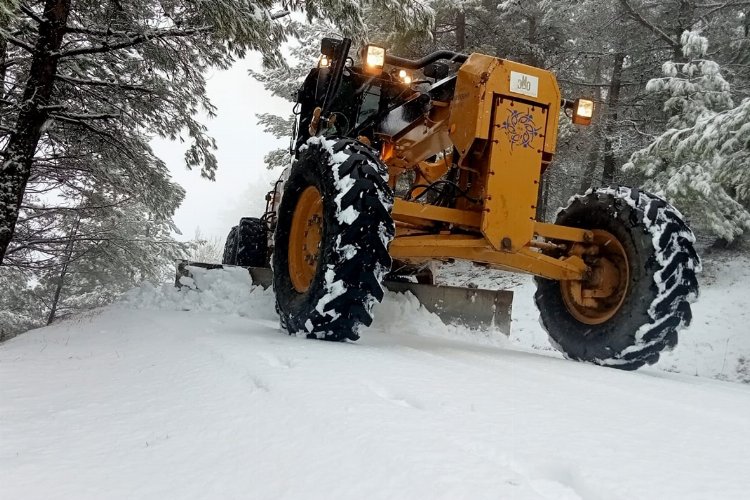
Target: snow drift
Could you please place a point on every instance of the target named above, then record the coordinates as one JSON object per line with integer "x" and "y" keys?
{"x": 179, "y": 394}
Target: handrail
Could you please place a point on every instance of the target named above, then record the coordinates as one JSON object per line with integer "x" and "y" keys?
{"x": 402, "y": 62}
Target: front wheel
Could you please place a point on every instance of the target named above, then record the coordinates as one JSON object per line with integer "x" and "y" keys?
{"x": 643, "y": 278}
{"x": 331, "y": 240}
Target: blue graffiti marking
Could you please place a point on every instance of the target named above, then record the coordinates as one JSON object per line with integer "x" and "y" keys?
{"x": 520, "y": 128}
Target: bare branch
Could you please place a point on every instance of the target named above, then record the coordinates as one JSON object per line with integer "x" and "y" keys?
{"x": 19, "y": 43}
{"x": 655, "y": 29}
{"x": 77, "y": 116}
{"x": 29, "y": 12}
{"x": 151, "y": 35}
{"x": 100, "y": 83}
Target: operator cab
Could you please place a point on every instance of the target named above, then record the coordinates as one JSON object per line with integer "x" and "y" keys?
{"x": 365, "y": 100}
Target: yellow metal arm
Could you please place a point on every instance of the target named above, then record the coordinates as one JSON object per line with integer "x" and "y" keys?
{"x": 477, "y": 249}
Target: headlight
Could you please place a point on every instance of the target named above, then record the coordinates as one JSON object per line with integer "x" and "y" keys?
{"x": 374, "y": 58}
{"x": 404, "y": 76}
{"x": 583, "y": 111}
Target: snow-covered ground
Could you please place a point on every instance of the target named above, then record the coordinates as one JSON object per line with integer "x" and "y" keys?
{"x": 200, "y": 395}
{"x": 716, "y": 345}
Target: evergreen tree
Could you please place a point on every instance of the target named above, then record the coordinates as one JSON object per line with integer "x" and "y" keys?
{"x": 700, "y": 162}
{"x": 284, "y": 81}
{"x": 112, "y": 73}
{"x": 206, "y": 249}
{"x": 19, "y": 306}
{"x": 84, "y": 86}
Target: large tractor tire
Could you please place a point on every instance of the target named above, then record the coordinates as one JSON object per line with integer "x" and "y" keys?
{"x": 230, "y": 248}
{"x": 331, "y": 240}
{"x": 247, "y": 244}
{"x": 643, "y": 281}
{"x": 252, "y": 244}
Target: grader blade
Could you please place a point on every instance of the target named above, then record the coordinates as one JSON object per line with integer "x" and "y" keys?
{"x": 473, "y": 308}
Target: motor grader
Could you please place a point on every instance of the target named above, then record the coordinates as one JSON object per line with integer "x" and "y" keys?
{"x": 436, "y": 159}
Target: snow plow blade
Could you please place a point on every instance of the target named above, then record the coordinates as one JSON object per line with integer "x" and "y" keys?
{"x": 474, "y": 308}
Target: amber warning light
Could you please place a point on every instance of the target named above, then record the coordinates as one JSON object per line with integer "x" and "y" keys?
{"x": 583, "y": 111}
{"x": 374, "y": 58}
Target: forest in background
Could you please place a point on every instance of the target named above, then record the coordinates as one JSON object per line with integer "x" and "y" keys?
{"x": 87, "y": 84}
{"x": 669, "y": 80}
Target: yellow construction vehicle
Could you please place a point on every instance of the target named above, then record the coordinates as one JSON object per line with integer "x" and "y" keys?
{"x": 441, "y": 158}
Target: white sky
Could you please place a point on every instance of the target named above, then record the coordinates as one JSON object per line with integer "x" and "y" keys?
{"x": 242, "y": 179}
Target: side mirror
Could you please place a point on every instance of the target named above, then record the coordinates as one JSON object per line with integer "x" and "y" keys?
{"x": 436, "y": 70}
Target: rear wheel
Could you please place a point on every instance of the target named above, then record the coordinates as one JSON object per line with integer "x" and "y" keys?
{"x": 247, "y": 244}
{"x": 252, "y": 244}
{"x": 331, "y": 240}
{"x": 643, "y": 278}
{"x": 230, "y": 248}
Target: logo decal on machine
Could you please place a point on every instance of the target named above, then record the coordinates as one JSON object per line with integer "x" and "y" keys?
{"x": 520, "y": 128}
{"x": 521, "y": 83}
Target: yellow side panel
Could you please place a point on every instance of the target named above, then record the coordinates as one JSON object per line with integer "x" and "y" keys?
{"x": 512, "y": 110}
{"x": 481, "y": 78}
{"x": 471, "y": 107}
{"x": 514, "y": 170}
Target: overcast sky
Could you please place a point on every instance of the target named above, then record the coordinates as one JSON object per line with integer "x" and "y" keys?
{"x": 242, "y": 179}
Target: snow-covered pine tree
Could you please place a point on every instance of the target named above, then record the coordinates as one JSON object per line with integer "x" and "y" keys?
{"x": 114, "y": 73}
{"x": 284, "y": 81}
{"x": 19, "y": 307}
{"x": 85, "y": 86}
{"x": 101, "y": 78}
{"x": 205, "y": 249}
{"x": 106, "y": 254}
{"x": 694, "y": 89}
{"x": 700, "y": 163}
{"x": 76, "y": 259}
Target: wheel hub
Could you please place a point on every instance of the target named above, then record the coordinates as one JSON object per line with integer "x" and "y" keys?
{"x": 598, "y": 298}
{"x": 304, "y": 238}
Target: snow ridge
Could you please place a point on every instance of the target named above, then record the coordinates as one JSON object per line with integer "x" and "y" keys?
{"x": 229, "y": 291}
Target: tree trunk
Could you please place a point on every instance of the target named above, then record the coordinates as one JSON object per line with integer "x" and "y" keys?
{"x": 543, "y": 195}
{"x": 63, "y": 271}
{"x": 532, "y": 59}
{"x": 613, "y": 100}
{"x": 19, "y": 152}
{"x": 460, "y": 30}
{"x": 3, "y": 69}
{"x": 592, "y": 159}
{"x": 3, "y": 75}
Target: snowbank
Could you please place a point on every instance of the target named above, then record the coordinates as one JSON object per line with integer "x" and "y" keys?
{"x": 716, "y": 345}
{"x": 175, "y": 394}
{"x": 229, "y": 291}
